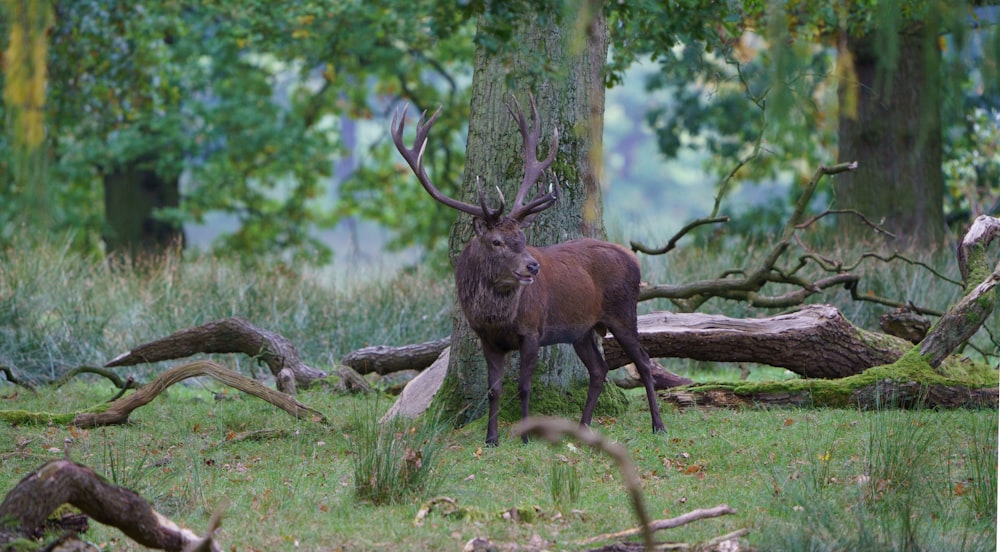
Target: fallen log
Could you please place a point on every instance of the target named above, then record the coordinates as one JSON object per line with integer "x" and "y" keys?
{"x": 814, "y": 342}
{"x": 26, "y": 507}
{"x": 230, "y": 335}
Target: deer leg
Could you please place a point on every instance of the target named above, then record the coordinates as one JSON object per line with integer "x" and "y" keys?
{"x": 529, "y": 358}
{"x": 494, "y": 377}
{"x": 628, "y": 338}
{"x": 597, "y": 367}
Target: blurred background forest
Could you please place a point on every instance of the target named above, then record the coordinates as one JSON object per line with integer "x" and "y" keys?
{"x": 259, "y": 127}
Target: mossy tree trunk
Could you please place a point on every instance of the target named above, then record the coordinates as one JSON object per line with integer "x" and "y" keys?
{"x": 569, "y": 92}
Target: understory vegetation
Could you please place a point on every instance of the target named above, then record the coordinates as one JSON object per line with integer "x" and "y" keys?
{"x": 799, "y": 479}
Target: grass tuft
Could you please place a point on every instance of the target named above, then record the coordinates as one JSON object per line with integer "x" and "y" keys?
{"x": 394, "y": 461}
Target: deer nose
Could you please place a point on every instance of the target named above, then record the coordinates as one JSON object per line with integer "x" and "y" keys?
{"x": 533, "y": 268}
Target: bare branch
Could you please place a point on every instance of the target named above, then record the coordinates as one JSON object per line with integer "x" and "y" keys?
{"x": 672, "y": 243}
{"x": 864, "y": 219}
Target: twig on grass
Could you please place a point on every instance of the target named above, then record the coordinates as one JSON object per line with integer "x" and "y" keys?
{"x": 553, "y": 430}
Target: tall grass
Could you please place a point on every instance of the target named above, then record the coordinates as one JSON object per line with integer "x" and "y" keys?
{"x": 904, "y": 492}
{"x": 396, "y": 460}
{"x": 59, "y": 310}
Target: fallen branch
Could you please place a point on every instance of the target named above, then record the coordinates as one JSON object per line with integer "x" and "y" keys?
{"x": 115, "y": 379}
{"x": 661, "y": 524}
{"x": 118, "y": 412}
{"x": 8, "y": 372}
{"x": 553, "y": 430}
{"x": 383, "y": 359}
{"x": 230, "y": 335}
{"x": 59, "y": 482}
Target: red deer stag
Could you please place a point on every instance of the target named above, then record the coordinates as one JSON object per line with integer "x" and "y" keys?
{"x": 519, "y": 297}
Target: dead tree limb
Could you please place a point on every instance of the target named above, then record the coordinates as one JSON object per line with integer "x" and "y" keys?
{"x": 964, "y": 318}
{"x": 662, "y": 524}
{"x": 115, "y": 379}
{"x": 553, "y": 430}
{"x": 8, "y": 372}
{"x": 118, "y": 411}
{"x": 383, "y": 359}
{"x": 60, "y": 482}
{"x": 230, "y": 335}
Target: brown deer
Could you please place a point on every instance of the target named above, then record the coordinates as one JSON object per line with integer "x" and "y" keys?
{"x": 519, "y": 297}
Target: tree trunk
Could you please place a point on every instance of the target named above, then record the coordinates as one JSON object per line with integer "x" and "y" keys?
{"x": 132, "y": 194}
{"x": 569, "y": 97}
{"x": 895, "y": 135}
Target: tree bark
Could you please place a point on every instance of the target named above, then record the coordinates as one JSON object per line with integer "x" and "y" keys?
{"x": 964, "y": 319}
{"x": 814, "y": 342}
{"x": 895, "y": 135}
{"x": 382, "y": 359}
{"x": 571, "y": 98}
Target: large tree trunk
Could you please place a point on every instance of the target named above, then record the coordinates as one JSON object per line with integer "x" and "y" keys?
{"x": 895, "y": 135}
{"x": 132, "y": 194}
{"x": 571, "y": 99}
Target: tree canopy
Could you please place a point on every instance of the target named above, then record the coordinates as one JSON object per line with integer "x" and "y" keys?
{"x": 273, "y": 113}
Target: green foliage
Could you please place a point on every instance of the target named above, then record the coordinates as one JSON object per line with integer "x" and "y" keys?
{"x": 246, "y": 101}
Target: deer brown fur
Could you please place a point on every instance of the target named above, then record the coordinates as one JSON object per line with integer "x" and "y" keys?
{"x": 519, "y": 298}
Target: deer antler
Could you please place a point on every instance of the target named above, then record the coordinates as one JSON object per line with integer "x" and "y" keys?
{"x": 533, "y": 168}
{"x": 415, "y": 158}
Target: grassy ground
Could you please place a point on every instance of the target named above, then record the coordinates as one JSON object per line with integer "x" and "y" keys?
{"x": 799, "y": 479}
{"x": 817, "y": 479}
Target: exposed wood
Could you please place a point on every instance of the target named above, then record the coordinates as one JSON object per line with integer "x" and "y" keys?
{"x": 383, "y": 359}
{"x": 815, "y": 342}
{"x": 59, "y": 482}
{"x": 230, "y": 335}
{"x": 118, "y": 412}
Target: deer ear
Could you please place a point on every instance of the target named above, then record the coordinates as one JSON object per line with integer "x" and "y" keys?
{"x": 478, "y": 226}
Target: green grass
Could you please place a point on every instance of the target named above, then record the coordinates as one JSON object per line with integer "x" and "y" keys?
{"x": 795, "y": 476}
{"x": 822, "y": 479}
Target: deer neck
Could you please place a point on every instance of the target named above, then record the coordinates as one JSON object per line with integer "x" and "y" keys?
{"x": 487, "y": 300}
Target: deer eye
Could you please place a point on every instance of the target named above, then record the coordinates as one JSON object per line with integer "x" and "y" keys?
{"x": 497, "y": 242}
